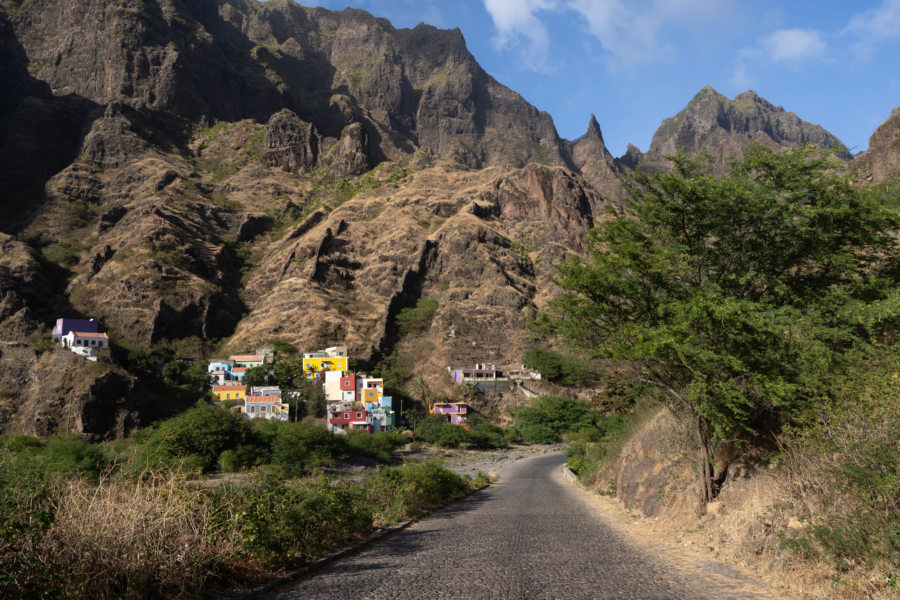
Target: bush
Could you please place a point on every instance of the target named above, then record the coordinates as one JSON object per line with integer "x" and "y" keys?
{"x": 411, "y": 489}
{"x": 845, "y": 463}
{"x": 377, "y": 446}
{"x": 298, "y": 447}
{"x": 201, "y": 434}
{"x": 485, "y": 435}
{"x": 555, "y": 367}
{"x": 417, "y": 318}
{"x": 435, "y": 430}
{"x": 549, "y": 417}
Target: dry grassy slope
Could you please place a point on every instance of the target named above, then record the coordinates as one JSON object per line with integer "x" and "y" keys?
{"x": 480, "y": 243}
{"x": 162, "y": 243}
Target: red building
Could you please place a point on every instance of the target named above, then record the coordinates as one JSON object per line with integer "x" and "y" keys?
{"x": 344, "y": 418}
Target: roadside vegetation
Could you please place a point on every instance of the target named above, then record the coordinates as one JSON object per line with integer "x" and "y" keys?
{"x": 131, "y": 519}
{"x": 762, "y": 308}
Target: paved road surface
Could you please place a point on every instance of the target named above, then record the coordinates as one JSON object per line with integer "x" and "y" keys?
{"x": 529, "y": 536}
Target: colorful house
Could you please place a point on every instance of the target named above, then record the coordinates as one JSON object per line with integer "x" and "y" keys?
{"x": 453, "y": 412}
{"x": 329, "y": 359}
{"x": 348, "y": 389}
{"x": 369, "y": 389}
{"x": 85, "y": 343}
{"x": 219, "y": 370}
{"x": 229, "y": 392}
{"x": 345, "y": 418}
{"x": 265, "y": 407}
{"x": 484, "y": 376}
{"x": 237, "y": 373}
{"x": 380, "y": 414}
{"x": 332, "y": 385}
{"x": 248, "y": 360}
{"x": 64, "y": 326}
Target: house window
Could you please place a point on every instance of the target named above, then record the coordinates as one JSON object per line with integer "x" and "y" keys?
{"x": 252, "y": 409}
{"x": 262, "y": 409}
{"x": 359, "y": 415}
{"x": 346, "y": 415}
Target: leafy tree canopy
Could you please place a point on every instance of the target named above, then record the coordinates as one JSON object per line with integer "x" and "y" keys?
{"x": 741, "y": 297}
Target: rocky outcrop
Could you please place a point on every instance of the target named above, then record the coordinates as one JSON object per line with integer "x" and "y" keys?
{"x": 290, "y": 143}
{"x": 592, "y": 159}
{"x": 713, "y": 123}
{"x": 881, "y": 162}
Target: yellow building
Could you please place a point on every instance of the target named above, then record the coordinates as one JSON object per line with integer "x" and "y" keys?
{"x": 229, "y": 392}
{"x": 330, "y": 359}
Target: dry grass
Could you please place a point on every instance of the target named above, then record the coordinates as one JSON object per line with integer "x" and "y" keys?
{"x": 121, "y": 539}
{"x": 755, "y": 519}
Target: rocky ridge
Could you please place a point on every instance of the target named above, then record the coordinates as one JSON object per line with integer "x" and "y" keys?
{"x": 237, "y": 171}
{"x": 723, "y": 127}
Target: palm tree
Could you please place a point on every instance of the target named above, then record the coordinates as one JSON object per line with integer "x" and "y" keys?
{"x": 418, "y": 388}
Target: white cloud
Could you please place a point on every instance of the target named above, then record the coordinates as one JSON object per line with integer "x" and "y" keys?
{"x": 632, "y": 32}
{"x": 794, "y": 45}
{"x": 517, "y": 25}
{"x": 874, "y": 27}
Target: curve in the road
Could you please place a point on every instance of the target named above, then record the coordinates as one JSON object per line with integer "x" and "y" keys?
{"x": 529, "y": 536}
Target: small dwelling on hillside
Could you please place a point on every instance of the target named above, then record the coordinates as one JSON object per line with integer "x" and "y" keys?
{"x": 453, "y": 412}
{"x": 485, "y": 377}
{"x": 265, "y": 407}
{"x": 219, "y": 370}
{"x": 335, "y": 358}
{"x": 229, "y": 392}
{"x": 85, "y": 343}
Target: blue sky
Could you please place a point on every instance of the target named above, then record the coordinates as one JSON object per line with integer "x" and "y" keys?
{"x": 635, "y": 62}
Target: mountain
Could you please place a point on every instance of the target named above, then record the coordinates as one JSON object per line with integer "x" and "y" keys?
{"x": 881, "y": 162}
{"x": 209, "y": 174}
{"x": 235, "y": 171}
{"x": 713, "y": 123}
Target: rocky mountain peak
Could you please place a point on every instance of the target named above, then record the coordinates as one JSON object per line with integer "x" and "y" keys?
{"x": 593, "y": 130}
{"x": 723, "y": 127}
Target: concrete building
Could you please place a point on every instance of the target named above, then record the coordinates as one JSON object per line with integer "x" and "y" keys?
{"x": 329, "y": 359}
{"x": 85, "y": 343}
{"x": 484, "y": 376}
{"x": 265, "y": 407}
{"x": 453, "y": 412}
{"x": 229, "y": 392}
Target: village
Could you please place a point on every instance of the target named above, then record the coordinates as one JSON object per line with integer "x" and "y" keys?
{"x": 354, "y": 401}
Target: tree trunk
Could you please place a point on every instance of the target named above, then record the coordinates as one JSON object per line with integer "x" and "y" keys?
{"x": 704, "y": 463}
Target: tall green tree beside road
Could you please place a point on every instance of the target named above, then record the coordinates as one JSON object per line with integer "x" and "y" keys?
{"x": 739, "y": 297}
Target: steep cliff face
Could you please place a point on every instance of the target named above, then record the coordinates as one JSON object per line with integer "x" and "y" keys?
{"x": 217, "y": 60}
{"x": 723, "y": 127}
{"x": 881, "y": 162}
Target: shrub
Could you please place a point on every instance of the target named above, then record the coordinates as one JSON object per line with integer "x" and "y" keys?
{"x": 201, "y": 434}
{"x": 551, "y": 416}
{"x": 435, "y": 430}
{"x": 297, "y": 447}
{"x": 417, "y": 318}
{"x": 485, "y": 435}
{"x": 555, "y": 367}
{"x": 377, "y": 446}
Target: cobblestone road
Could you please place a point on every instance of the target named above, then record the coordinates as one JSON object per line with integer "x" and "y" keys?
{"x": 528, "y": 536}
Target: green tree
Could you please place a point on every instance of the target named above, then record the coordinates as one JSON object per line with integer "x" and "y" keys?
{"x": 740, "y": 297}
{"x": 255, "y": 376}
